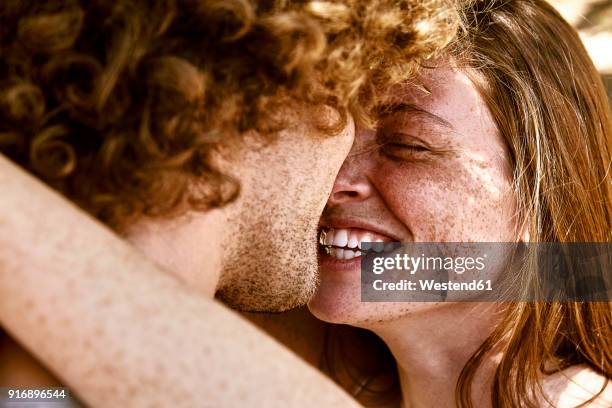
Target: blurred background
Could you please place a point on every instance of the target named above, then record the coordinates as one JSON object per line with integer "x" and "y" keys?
{"x": 593, "y": 20}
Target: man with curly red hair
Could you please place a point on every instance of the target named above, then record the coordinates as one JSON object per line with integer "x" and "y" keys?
{"x": 205, "y": 134}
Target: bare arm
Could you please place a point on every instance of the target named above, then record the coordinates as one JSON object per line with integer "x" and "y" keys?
{"x": 119, "y": 331}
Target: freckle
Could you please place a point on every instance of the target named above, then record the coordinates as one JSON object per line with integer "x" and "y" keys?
{"x": 108, "y": 369}
{"x": 29, "y": 304}
{"x": 131, "y": 390}
{"x": 163, "y": 330}
{"x": 223, "y": 386}
{"x": 106, "y": 301}
{"x": 99, "y": 332}
{"x": 87, "y": 344}
{"x": 41, "y": 320}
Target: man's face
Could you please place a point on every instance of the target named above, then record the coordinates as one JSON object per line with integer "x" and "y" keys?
{"x": 269, "y": 251}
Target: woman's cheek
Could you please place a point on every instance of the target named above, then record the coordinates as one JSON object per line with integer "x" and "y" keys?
{"x": 425, "y": 201}
{"x": 448, "y": 203}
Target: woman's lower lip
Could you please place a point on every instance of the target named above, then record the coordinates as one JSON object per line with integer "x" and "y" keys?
{"x": 328, "y": 263}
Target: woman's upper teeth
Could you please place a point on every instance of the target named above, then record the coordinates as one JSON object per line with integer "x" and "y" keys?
{"x": 349, "y": 237}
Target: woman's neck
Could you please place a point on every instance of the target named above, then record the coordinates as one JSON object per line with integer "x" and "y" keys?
{"x": 431, "y": 350}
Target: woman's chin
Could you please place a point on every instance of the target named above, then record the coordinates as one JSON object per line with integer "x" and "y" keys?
{"x": 336, "y": 302}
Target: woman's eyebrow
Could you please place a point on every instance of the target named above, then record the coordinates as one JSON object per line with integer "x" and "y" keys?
{"x": 385, "y": 110}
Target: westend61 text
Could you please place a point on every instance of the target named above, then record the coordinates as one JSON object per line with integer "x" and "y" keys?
{"x": 430, "y": 284}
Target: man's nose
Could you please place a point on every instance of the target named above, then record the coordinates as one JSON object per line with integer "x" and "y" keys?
{"x": 351, "y": 185}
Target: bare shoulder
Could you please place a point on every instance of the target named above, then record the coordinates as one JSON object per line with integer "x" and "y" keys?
{"x": 576, "y": 385}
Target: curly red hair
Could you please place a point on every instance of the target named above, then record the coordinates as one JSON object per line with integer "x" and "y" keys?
{"x": 118, "y": 104}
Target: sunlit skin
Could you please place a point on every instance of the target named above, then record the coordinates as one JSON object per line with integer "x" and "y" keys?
{"x": 436, "y": 170}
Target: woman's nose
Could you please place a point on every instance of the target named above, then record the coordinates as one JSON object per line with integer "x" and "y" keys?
{"x": 351, "y": 185}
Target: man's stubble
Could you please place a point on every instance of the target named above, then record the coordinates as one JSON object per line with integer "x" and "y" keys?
{"x": 272, "y": 267}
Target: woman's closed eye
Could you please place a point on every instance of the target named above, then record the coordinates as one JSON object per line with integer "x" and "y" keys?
{"x": 404, "y": 151}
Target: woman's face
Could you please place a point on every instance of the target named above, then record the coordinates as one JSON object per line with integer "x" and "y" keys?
{"x": 435, "y": 170}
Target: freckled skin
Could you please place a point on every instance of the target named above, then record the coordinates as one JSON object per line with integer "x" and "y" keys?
{"x": 462, "y": 193}
{"x": 459, "y": 189}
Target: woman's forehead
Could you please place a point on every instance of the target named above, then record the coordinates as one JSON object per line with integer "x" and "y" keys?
{"x": 442, "y": 95}
{"x": 442, "y": 85}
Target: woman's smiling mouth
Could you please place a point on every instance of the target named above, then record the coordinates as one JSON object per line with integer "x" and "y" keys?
{"x": 349, "y": 243}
